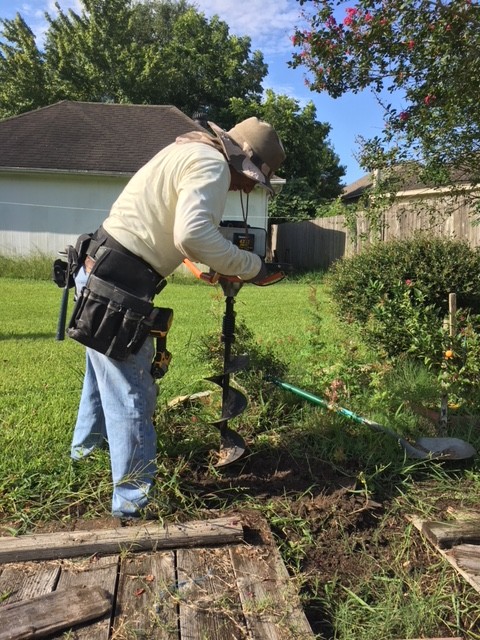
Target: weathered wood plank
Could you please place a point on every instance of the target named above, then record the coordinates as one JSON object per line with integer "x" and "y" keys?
{"x": 335, "y": 237}
{"x": 143, "y": 608}
{"x": 140, "y": 537}
{"x": 91, "y": 572}
{"x": 22, "y": 581}
{"x": 270, "y": 600}
{"x": 467, "y": 557}
{"x": 40, "y": 617}
{"x": 210, "y": 605}
{"x": 448, "y": 534}
{"x": 451, "y": 554}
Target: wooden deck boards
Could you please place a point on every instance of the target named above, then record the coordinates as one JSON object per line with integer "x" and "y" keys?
{"x": 458, "y": 542}
{"x": 223, "y": 590}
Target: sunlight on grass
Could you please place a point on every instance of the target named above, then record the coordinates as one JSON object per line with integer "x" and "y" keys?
{"x": 294, "y": 324}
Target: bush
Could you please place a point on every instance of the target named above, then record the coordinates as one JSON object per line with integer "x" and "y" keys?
{"x": 437, "y": 266}
{"x": 402, "y": 318}
{"x": 398, "y": 292}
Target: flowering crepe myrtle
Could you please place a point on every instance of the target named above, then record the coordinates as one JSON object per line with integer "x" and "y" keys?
{"x": 426, "y": 54}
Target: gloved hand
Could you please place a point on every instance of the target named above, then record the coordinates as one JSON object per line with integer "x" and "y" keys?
{"x": 261, "y": 275}
{"x": 269, "y": 273}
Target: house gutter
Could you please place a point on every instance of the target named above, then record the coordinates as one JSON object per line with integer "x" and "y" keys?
{"x": 277, "y": 183}
{"x": 68, "y": 172}
{"x": 439, "y": 191}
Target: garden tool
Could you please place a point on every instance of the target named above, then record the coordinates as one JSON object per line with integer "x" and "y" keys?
{"x": 62, "y": 276}
{"x": 232, "y": 445}
{"x": 424, "y": 448}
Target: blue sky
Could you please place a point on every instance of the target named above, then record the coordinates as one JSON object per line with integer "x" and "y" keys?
{"x": 269, "y": 23}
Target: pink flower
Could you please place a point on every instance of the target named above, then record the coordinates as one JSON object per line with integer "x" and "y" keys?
{"x": 350, "y": 17}
{"x": 429, "y": 99}
{"x": 411, "y": 44}
{"x": 409, "y": 282}
{"x": 403, "y": 117}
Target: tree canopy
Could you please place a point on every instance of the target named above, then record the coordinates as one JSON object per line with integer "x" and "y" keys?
{"x": 427, "y": 53}
{"x": 166, "y": 52}
{"x": 154, "y": 52}
{"x": 22, "y": 72}
{"x": 312, "y": 167}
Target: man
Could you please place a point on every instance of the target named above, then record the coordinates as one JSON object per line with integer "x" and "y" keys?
{"x": 170, "y": 210}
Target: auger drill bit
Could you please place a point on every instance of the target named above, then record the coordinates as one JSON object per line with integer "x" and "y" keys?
{"x": 232, "y": 445}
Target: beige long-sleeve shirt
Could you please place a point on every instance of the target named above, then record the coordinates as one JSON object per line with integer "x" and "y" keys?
{"x": 171, "y": 210}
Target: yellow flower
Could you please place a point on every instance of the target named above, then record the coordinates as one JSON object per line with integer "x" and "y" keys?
{"x": 448, "y": 354}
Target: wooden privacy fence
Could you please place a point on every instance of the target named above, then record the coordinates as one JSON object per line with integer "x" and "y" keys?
{"x": 316, "y": 244}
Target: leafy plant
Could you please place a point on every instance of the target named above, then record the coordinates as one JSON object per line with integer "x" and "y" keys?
{"x": 436, "y": 266}
{"x": 402, "y": 319}
{"x": 425, "y": 53}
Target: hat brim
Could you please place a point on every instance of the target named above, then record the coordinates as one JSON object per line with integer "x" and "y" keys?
{"x": 239, "y": 159}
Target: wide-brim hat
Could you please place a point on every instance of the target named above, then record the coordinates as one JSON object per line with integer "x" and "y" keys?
{"x": 252, "y": 147}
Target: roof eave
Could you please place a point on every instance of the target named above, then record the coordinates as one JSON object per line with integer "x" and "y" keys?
{"x": 39, "y": 170}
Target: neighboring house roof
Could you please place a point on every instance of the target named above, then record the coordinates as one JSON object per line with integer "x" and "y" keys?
{"x": 89, "y": 137}
{"x": 405, "y": 179}
{"x": 354, "y": 190}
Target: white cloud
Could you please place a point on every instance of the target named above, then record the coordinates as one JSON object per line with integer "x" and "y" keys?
{"x": 65, "y": 5}
{"x": 269, "y": 23}
{"x": 34, "y": 13}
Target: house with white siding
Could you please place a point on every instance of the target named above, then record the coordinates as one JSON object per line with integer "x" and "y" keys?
{"x": 62, "y": 167}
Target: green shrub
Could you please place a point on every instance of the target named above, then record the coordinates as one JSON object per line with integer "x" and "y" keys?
{"x": 398, "y": 292}
{"x": 401, "y": 317}
{"x": 454, "y": 358}
{"x": 437, "y": 266}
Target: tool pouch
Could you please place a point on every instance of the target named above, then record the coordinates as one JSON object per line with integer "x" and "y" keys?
{"x": 64, "y": 270}
{"x": 162, "y": 321}
{"x": 110, "y": 320}
{"x": 61, "y": 274}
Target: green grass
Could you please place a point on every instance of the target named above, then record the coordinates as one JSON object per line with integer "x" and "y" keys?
{"x": 41, "y": 378}
{"x": 291, "y": 326}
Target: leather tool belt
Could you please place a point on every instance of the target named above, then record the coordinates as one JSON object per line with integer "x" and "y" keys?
{"x": 114, "y": 312}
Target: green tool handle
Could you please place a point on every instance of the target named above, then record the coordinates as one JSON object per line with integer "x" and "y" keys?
{"x": 317, "y": 400}
{"x": 332, "y": 407}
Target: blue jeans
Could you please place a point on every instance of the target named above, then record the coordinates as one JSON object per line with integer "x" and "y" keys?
{"x": 117, "y": 405}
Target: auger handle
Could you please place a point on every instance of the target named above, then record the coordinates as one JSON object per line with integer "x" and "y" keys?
{"x": 211, "y": 278}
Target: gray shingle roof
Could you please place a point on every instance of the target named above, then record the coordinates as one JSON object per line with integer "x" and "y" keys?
{"x": 354, "y": 190}
{"x": 406, "y": 178}
{"x": 89, "y": 137}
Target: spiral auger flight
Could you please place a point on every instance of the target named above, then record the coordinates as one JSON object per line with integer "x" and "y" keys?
{"x": 234, "y": 402}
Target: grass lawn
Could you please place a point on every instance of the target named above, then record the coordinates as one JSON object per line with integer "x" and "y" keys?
{"x": 335, "y": 495}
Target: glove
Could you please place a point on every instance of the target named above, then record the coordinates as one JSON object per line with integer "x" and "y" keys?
{"x": 269, "y": 274}
{"x": 261, "y": 275}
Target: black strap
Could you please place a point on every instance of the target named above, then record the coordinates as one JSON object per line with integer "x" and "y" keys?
{"x": 116, "y": 264}
{"x": 102, "y": 238}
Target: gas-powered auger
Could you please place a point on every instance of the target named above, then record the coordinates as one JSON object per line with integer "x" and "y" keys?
{"x": 234, "y": 402}
{"x": 232, "y": 445}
